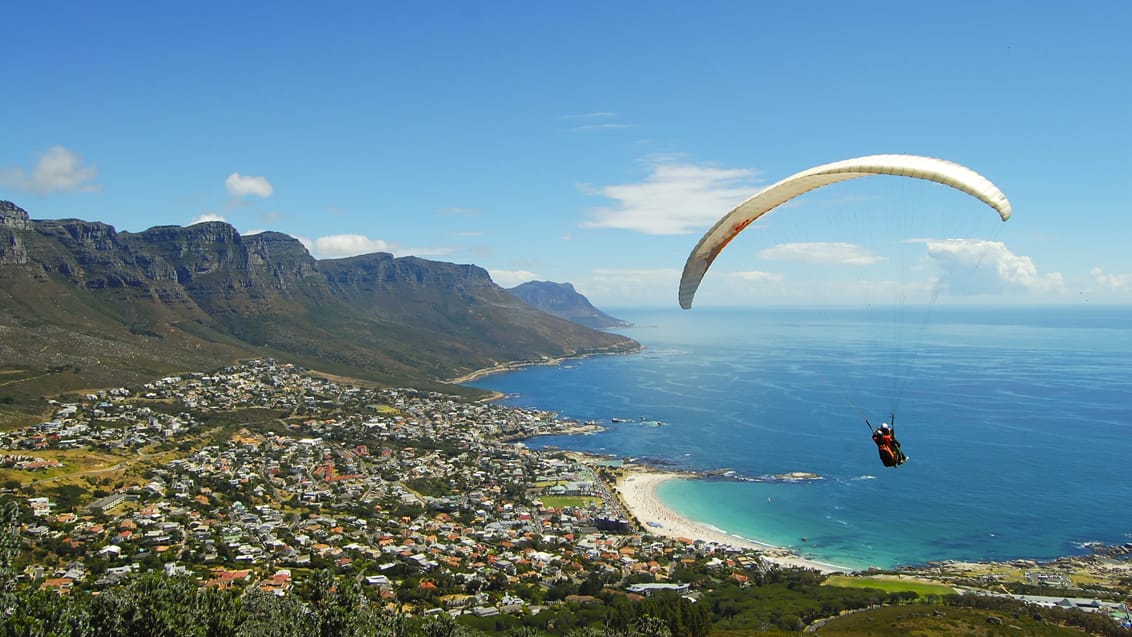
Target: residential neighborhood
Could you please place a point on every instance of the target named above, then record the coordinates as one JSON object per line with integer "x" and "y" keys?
{"x": 260, "y": 474}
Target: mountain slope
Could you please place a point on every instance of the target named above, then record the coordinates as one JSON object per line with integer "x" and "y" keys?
{"x": 97, "y": 307}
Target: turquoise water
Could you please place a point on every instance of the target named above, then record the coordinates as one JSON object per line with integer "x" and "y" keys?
{"x": 1018, "y": 423}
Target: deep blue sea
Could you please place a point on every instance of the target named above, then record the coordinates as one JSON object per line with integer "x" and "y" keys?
{"x": 1017, "y": 422}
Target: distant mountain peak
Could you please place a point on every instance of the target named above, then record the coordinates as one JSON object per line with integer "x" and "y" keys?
{"x": 563, "y": 301}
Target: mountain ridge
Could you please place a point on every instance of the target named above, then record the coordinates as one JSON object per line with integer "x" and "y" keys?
{"x": 114, "y": 307}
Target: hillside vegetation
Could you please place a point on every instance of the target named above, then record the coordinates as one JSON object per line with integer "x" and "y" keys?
{"x": 82, "y": 305}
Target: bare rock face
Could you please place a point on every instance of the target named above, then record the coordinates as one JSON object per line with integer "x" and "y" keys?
{"x": 12, "y": 220}
{"x": 13, "y": 216}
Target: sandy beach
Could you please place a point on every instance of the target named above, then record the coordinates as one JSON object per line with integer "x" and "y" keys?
{"x": 638, "y": 491}
{"x": 514, "y": 365}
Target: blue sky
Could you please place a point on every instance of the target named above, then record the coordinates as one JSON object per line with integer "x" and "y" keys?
{"x": 595, "y": 142}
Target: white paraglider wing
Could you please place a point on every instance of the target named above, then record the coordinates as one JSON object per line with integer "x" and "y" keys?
{"x": 929, "y": 168}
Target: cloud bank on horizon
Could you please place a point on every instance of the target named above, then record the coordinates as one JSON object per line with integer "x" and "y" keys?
{"x": 977, "y": 266}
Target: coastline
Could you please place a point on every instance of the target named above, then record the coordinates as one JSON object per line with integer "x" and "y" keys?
{"x": 499, "y": 368}
{"x": 515, "y": 365}
{"x": 638, "y": 491}
{"x": 649, "y": 507}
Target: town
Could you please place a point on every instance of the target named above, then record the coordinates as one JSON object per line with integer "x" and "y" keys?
{"x": 432, "y": 500}
{"x": 263, "y": 476}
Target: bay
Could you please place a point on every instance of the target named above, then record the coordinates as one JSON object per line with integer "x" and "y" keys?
{"x": 1018, "y": 423}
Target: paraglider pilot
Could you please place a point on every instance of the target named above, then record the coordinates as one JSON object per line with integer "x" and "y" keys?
{"x": 887, "y": 445}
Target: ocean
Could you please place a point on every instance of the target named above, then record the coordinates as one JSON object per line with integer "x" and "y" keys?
{"x": 1017, "y": 423}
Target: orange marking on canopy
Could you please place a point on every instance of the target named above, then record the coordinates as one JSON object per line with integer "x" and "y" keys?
{"x": 735, "y": 230}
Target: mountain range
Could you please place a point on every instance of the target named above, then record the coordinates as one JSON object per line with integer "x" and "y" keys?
{"x": 83, "y": 305}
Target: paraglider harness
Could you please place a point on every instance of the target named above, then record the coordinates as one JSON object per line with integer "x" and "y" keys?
{"x": 887, "y": 444}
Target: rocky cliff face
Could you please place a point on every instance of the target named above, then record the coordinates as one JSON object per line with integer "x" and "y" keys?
{"x": 13, "y": 216}
{"x": 13, "y": 221}
{"x": 174, "y": 296}
{"x": 383, "y": 271}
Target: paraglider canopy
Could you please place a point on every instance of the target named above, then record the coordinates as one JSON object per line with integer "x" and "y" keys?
{"x": 928, "y": 168}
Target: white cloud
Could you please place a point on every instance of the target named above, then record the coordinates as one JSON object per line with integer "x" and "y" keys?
{"x": 208, "y": 216}
{"x": 424, "y": 253}
{"x": 674, "y": 199}
{"x": 977, "y": 266}
{"x": 58, "y": 170}
{"x": 1117, "y": 282}
{"x": 348, "y": 245}
{"x": 511, "y": 278}
{"x": 821, "y": 253}
{"x": 239, "y": 185}
{"x": 339, "y": 246}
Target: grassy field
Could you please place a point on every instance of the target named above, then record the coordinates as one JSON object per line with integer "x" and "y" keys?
{"x": 75, "y": 462}
{"x": 21, "y": 403}
{"x": 890, "y": 584}
{"x": 563, "y": 501}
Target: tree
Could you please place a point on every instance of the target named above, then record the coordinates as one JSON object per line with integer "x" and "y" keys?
{"x": 9, "y": 548}
{"x": 592, "y": 585}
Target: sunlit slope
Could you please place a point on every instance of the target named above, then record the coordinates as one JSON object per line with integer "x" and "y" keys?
{"x": 82, "y": 305}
